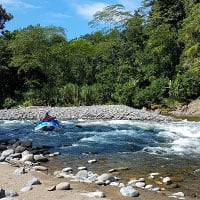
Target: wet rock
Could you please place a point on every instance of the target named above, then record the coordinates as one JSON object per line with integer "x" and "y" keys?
{"x": 167, "y": 180}
{"x": 92, "y": 161}
{"x": 3, "y": 147}
{"x": 26, "y": 143}
{"x": 40, "y": 158}
{"x": 19, "y": 149}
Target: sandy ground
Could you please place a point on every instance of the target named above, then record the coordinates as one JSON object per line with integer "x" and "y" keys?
{"x": 11, "y": 181}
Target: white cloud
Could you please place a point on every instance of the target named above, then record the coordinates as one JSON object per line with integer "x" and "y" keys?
{"x": 58, "y": 15}
{"x": 17, "y": 4}
{"x": 89, "y": 9}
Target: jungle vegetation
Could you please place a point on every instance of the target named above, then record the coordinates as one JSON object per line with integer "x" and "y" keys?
{"x": 148, "y": 57}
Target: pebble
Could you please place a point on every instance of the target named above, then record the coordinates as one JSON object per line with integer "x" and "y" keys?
{"x": 97, "y": 194}
{"x": 82, "y": 168}
{"x": 67, "y": 169}
{"x": 112, "y": 112}
{"x": 26, "y": 188}
{"x": 40, "y": 168}
{"x": 92, "y": 161}
{"x": 40, "y": 158}
{"x": 20, "y": 170}
{"x": 34, "y": 181}
{"x": 63, "y": 186}
{"x": 52, "y": 188}
{"x": 167, "y": 180}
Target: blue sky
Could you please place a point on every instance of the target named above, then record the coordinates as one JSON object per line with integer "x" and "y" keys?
{"x": 72, "y": 15}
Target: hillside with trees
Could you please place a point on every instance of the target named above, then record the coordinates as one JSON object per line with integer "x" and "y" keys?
{"x": 149, "y": 58}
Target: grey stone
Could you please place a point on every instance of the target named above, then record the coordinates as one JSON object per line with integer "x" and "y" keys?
{"x": 19, "y": 149}
{"x": 40, "y": 158}
{"x": 10, "y": 193}
{"x": 82, "y": 174}
{"x": 129, "y": 192}
{"x": 20, "y": 170}
{"x": 34, "y": 181}
{"x": 26, "y": 188}
{"x": 97, "y": 194}
{"x": 7, "y": 153}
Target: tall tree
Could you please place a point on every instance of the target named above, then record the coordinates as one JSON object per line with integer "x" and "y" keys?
{"x": 4, "y": 17}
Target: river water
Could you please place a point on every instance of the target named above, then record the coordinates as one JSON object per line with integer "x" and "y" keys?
{"x": 170, "y": 148}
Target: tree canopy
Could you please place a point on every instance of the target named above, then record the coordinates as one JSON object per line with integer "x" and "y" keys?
{"x": 149, "y": 57}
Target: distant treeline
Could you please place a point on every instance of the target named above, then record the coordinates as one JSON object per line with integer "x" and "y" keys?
{"x": 146, "y": 58}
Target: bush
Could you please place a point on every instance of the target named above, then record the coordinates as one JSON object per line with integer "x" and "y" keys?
{"x": 9, "y": 103}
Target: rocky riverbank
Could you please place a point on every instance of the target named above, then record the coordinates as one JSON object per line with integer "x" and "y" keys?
{"x": 29, "y": 179}
{"x": 105, "y": 112}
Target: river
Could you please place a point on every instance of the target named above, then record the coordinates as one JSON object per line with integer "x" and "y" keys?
{"x": 143, "y": 147}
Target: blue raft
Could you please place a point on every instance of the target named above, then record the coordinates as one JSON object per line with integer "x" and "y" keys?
{"x": 47, "y": 125}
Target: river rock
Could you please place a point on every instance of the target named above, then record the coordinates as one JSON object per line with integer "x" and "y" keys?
{"x": 104, "y": 177}
{"x": 3, "y": 147}
{"x": 19, "y": 149}
{"x": 167, "y": 180}
{"x": 63, "y": 186}
{"x": 7, "y": 153}
{"x": 2, "y": 158}
{"x": 92, "y": 161}
{"x": 82, "y": 174}
{"x": 27, "y": 157}
{"x": 20, "y": 170}
{"x": 67, "y": 169}
{"x": 40, "y": 168}
{"x": 82, "y": 168}
{"x": 10, "y": 193}
{"x": 97, "y": 194}
{"x": 34, "y": 181}
{"x": 26, "y": 188}
{"x": 40, "y": 158}
{"x": 140, "y": 184}
{"x": 179, "y": 194}
{"x": 26, "y": 143}
{"x": 129, "y": 192}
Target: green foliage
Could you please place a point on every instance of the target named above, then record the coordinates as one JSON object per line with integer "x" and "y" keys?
{"x": 147, "y": 58}
{"x": 69, "y": 95}
{"x": 4, "y": 17}
{"x": 186, "y": 86}
{"x": 9, "y": 103}
{"x": 151, "y": 94}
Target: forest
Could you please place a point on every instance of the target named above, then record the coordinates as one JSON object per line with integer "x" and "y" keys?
{"x": 149, "y": 57}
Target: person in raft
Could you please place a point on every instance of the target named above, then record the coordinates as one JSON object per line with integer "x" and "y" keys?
{"x": 47, "y": 117}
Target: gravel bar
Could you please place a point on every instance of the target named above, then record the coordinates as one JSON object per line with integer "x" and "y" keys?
{"x": 96, "y": 112}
